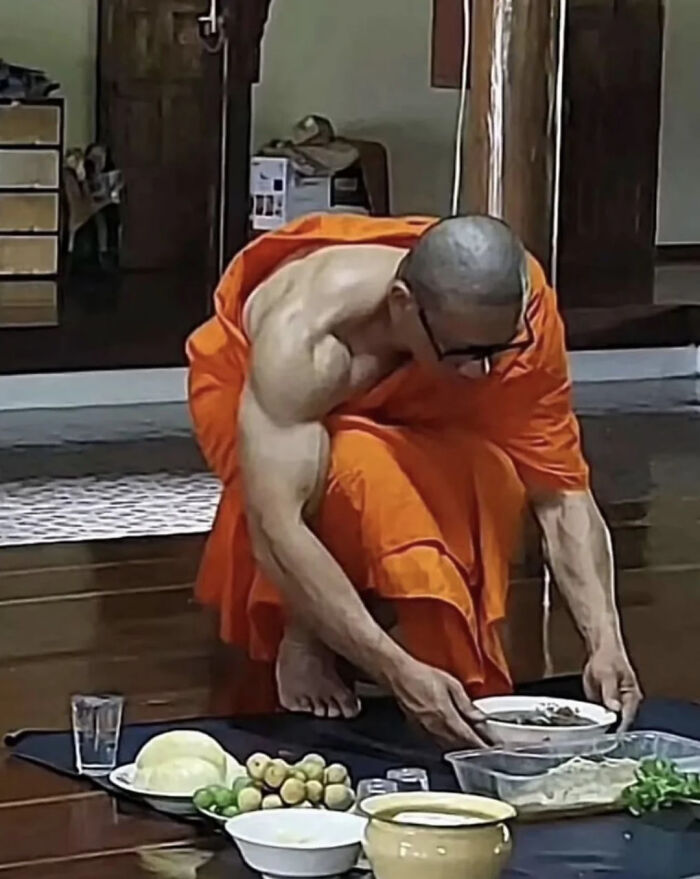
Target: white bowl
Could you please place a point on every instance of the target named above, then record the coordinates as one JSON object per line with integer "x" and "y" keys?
{"x": 298, "y": 842}
{"x": 513, "y": 734}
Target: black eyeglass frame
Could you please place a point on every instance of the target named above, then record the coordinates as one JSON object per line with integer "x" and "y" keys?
{"x": 477, "y": 352}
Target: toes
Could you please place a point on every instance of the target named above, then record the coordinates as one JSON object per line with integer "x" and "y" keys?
{"x": 320, "y": 710}
{"x": 349, "y": 705}
{"x": 304, "y": 705}
{"x": 334, "y": 709}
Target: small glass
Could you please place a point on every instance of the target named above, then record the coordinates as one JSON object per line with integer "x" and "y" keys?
{"x": 373, "y": 787}
{"x": 97, "y": 722}
{"x": 409, "y": 779}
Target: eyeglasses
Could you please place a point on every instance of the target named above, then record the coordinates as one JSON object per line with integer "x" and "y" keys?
{"x": 476, "y": 352}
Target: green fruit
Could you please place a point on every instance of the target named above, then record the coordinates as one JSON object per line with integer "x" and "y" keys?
{"x": 204, "y": 799}
{"x": 314, "y": 771}
{"x": 224, "y": 798}
{"x": 314, "y": 792}
{"x": 230, "y": 812}
{"x": 338, "y": 797}
{"x": 240, "y": 784}
{"x": 315, "y": 758}
{"x": 299, "y": 774}
{"x": 272, "y": 801}
{"x": 249, "y": 799}
{"x": 276, "y": 774}
{"x": 293, "y": 792}
{"x": 256, "y": 766}
{"x": 336, "y": 774}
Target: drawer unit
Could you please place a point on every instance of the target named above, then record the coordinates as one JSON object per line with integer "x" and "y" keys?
{"x": 29, "y": 212}
{"x": 31, "y": 157}
{"x": 30, "y": 125}
{"x": 29, "y": 169}
{"x": 28, "y": 304}
{"x": 28, "y": 254}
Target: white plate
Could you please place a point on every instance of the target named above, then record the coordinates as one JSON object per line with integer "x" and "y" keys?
{"x": 123, "y": 778}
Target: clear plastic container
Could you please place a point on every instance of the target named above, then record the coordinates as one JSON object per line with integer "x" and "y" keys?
{"x": 572, "y": 777}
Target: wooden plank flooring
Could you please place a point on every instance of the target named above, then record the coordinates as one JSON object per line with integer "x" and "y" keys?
{"x": 119, "y": 615}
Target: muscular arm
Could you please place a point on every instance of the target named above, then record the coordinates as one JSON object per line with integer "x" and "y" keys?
{"x": 285, "y": 460}
{"x": 579, "y": 550}
{"x": 283, "y": 467}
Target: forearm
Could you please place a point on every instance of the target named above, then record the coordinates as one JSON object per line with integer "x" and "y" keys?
{"x": 579, "y": 552}
{"x": 319, "y": 595}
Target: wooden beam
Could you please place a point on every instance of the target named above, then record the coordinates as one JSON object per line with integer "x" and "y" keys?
{"x": 510, "y": 134}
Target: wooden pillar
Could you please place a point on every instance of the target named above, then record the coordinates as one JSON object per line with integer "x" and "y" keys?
{"x": 244, "y": 21}
{"x": 511, "y": 134}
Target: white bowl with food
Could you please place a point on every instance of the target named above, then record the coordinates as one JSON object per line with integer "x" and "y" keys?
{"x": 298, "y": 843}
{"x": 536, "y": 720}
{"x": 170, "y": 767}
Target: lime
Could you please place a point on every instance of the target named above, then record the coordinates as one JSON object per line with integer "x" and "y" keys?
{"x": 230, "y": 812}
{"x": 204, "y": 799}
{"x": 224, "y": 798}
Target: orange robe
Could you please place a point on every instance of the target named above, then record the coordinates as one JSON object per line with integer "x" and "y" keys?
{"x": 427, "y": 477}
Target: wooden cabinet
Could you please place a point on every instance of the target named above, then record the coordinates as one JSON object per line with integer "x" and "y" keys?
{"x": 31, "y": 141}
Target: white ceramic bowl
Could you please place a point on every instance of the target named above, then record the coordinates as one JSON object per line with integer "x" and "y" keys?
{"x": 513, "y": 734}
{"x": 298, "y": 843}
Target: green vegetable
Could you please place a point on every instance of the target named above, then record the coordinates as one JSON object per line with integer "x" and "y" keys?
{"x": 659, "y": 785}
{"x": 293, "y": 792}
{"x": 336, "y": 774}
{"x": 249, "y": 799}
{"x": 272, "y": 801}
{"x": 276, "y": 774}
{"x": 224, "y": 798}
{"x": 338, "y": 797}
{"x": 204, "y": 799}
{"x": 256, "y": 766}
{"x": 240, "y": 784}
{"x": 230, "y": 812}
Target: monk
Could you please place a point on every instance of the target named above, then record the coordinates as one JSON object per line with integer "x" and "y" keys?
{"x": 381, "y": 398}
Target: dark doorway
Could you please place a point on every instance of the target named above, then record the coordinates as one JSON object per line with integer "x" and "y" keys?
{"x": 154, "y": 198}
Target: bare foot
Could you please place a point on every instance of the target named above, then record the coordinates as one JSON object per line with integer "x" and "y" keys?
{"x": 308, "y": 681}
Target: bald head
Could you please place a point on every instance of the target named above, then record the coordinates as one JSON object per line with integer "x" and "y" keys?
{"x": 466, "y": 261}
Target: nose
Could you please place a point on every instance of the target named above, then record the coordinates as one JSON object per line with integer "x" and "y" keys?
{"x": 475, "y": 368}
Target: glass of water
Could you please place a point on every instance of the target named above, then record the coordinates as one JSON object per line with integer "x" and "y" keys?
{"x": 409, "y": 778}
{"x": 373, "y": 787}
{"x": 97, "y": 722}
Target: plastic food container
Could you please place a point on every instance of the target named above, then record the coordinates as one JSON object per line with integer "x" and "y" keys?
{"x": 570, "y": 777}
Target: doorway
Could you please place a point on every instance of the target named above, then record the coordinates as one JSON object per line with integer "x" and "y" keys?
{"x": 150, "y": 201}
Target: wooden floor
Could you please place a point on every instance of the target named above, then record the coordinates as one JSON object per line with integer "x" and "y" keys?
{"x": 119, "y": 615}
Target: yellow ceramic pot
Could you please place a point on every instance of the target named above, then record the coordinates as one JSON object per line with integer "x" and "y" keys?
{"x": 437, "y": 835}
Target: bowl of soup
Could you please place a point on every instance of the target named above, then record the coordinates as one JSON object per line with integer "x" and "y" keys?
{"x": 437, "y": 835}
{"x": 534, "y": 720}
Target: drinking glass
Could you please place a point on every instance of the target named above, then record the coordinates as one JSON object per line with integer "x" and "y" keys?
{"x": 373, "y": 787}
{"x": 97, "y": 722}
{"x": 409, "y": 778}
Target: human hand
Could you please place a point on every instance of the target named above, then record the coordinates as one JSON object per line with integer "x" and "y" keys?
{"x": 610, "y": 679}
{"x": 439, "y": 703}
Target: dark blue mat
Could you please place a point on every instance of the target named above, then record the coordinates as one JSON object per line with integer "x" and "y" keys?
{"x": 619, "y": 846}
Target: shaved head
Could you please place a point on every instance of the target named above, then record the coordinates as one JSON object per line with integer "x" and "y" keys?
{"x": 466, "y": 261}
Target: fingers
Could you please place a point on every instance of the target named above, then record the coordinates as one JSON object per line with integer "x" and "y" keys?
{"x": 610, "y": 692}
{"x": 467, "y": 710}
{"x": 630, "y": 704}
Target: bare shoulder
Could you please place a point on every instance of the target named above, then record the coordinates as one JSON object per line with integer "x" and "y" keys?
{"x": 297, "y": 374}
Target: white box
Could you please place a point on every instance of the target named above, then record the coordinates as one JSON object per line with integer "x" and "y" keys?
{"x": 279, "y": 193}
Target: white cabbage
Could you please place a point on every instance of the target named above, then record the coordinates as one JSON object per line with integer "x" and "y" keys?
{"x": 181, "y": 776}
{"x": 183, "y": 743}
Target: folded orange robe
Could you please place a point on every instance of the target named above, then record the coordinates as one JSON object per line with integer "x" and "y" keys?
{"x": 427, "y": 479}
